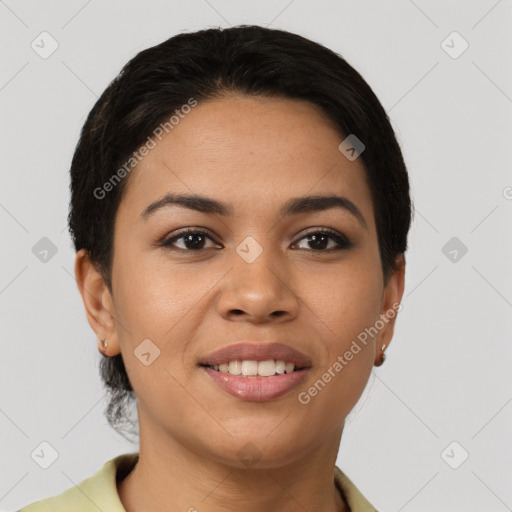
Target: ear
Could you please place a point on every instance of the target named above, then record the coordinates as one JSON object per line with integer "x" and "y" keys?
{"x": 391, "y": 299}
{"x": 98, "y": 303}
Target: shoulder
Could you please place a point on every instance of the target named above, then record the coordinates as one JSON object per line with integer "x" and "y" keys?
{"x": 98, "y": 492}
{"x": 356, "y": 501}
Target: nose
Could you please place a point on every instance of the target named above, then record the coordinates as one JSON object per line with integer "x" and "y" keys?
{"x": 258, "y": 292}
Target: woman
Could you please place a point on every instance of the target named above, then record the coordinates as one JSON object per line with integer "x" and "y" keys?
{"x": 240, "y": 209}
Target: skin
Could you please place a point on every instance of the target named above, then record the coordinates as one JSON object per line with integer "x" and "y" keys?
{"x": 255, "y": 154}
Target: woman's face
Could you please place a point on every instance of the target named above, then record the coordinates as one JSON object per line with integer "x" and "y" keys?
{"x": 254, "y": 275}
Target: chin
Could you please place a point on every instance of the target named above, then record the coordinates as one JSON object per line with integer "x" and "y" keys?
{"x": 260, "y": 451}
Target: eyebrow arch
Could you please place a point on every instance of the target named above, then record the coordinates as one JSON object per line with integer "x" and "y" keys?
{"x": 293, "y": 206}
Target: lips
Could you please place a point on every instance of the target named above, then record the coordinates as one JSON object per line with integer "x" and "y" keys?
{"x": 257, "y": 388}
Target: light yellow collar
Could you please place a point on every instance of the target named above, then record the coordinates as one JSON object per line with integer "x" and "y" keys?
{"x": 99, "y": 492}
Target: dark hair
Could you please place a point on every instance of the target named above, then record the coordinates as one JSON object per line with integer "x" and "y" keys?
{"x": 204, "y": 65}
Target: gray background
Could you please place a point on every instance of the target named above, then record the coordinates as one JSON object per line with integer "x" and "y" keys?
{"x": 447, "y": 375}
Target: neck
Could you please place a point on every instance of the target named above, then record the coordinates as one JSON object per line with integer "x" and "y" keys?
{"x": 172, "y": 477}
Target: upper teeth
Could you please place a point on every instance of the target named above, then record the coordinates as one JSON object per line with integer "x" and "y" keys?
{"x": 247, "y": 368}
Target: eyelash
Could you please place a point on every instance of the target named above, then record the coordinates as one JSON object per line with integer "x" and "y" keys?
{"x": 343, "y": 242}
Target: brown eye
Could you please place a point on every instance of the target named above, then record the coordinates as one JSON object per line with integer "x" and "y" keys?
{"x": 192, "y": 240}
{"x": 319, "y": 241}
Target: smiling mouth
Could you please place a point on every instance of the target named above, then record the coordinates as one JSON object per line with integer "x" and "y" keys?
{"x": 251, "y": 368}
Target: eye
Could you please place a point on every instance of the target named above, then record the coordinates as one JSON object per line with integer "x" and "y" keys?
{"x": 193, "y": 240}
{"x": 319, "y": 241}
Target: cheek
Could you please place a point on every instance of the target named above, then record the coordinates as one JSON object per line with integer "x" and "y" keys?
{"x": 349, "y": 297}
{"x": 351, "y": 305}
{"x": 145, "y": 290}
{"x": 165, "y": 303}
{"x": 153, "y": 303}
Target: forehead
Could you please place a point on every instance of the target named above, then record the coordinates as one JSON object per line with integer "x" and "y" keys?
{"x": 250, "y": 151}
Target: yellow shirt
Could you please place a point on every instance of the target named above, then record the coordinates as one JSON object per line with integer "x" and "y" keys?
{"x": 99, "y": 492}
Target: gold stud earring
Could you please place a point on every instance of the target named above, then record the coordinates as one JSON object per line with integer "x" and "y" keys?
{"x": 382, "y": 357}
{"x": 104, "y": 343}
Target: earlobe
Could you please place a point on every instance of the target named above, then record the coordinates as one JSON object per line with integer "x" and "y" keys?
{"x": 97, "y": 302}
{"x": 381, "y": 358}
{"x": 392, "y": 297}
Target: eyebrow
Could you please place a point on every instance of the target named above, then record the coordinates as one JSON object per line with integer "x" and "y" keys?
{"x": 293, "y": 206}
